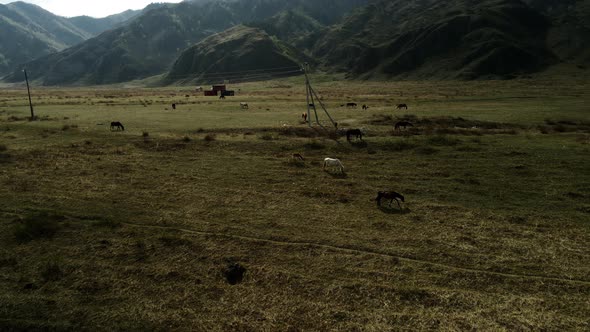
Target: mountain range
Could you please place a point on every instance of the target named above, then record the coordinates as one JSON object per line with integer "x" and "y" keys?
{"x": 465, "y": 39}
{"x": 28, "y": 32}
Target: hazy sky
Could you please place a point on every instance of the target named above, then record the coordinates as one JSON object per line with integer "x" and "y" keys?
{"x": 95, "y": 8}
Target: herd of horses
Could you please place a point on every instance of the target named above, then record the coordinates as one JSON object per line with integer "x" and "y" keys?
{"x": 335, "y": 163}
{"x": 331, "y": 162}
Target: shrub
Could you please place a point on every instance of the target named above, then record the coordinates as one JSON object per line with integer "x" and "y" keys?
{"x": 145, "y": 134}
{"x": 209, "y": 138}
{"x": 3, "y": 148}
{"x": 42, "y": 225}
{"x": 186, "y": 139}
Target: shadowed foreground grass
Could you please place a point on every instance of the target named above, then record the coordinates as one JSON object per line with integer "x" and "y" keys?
{"x": 142, "y": 223}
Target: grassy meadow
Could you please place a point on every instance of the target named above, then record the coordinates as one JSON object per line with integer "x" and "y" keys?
{"x": 132, "y": 230}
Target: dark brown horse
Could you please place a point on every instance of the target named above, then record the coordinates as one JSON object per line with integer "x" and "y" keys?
{"x": 392, "y": 195}
{"x": 354, "y": 132}
{"x": 117, "y": 125}
{"x": 403, "y": 124}
{"x": 400, "y": 106}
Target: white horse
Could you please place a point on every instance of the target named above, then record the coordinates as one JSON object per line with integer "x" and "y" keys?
{"x": 244, "y": 105}
{"x": 332, "y": 162}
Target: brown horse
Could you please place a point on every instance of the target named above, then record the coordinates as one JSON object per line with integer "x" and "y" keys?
{"x": 354, "y": 132}
{"x": 400, "y": 106}
{"x": 118, "y": 125}
{"x": 392, "y": 195}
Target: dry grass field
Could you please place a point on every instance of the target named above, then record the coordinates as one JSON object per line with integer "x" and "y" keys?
{"x": 132, "y": 230}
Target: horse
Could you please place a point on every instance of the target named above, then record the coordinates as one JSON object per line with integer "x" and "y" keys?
{"x": 244, "y": 105}
{"x": 297, "y": 156}
{"x": 400, "y": 106}
{"x": 389, "y": 195}
{"x": 118, "y": 125}
{"x": 304, "y": 116}
{"x": 173, "y": 106}
{"x": 365, "y": 107}
{"x": 356, "y": 132}
{"x": 332, "y": 162}
{"x": 403, "y": 124}
{"x": 221, "y": 96}
{"x": 353, "y": 105}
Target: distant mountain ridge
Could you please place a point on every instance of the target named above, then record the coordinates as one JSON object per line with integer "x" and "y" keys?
{"x": 95, "y": 26}
{"x": 418, "y": 39}
{"x": 28, "y": 31}
{"x": 151, "y": 42}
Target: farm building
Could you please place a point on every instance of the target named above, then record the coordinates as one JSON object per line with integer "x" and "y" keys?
{"x": 219, "y": 90}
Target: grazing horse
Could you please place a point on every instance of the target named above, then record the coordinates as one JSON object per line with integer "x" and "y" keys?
{"x": 389, "y": 195}
{"x": 244, "y": 105}
{"x": 365, "y": 107}
{"x": 332, "y": 162}
{"x": 400, "y": 106}
{"x": 353, "y": 105}
{"x": 354, "y": 132}
{"x": 298, "y": 156}
{"x": 403, "y": 124}
{"x": 118, "y": 125}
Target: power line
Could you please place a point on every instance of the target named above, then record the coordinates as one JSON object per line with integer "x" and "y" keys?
{"x": 244, "y": 73}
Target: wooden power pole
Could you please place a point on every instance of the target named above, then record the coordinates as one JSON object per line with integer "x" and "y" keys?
{"x": 29, "y": 91}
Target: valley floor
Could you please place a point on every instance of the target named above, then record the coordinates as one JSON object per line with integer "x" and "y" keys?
{"x": 133, "y": 229}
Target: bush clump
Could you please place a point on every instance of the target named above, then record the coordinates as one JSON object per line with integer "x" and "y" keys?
{"x": 37, "y": 226}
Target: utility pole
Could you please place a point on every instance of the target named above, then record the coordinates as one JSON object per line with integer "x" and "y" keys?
{"x": 310, "y": 97}
{"x": 29, "y": 91}
{"x": 308, "y": 93}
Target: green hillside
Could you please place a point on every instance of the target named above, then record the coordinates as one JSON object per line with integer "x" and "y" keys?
{"x": 241, "y": 51}
{"x": 291, "y": 26}
{"x": 438, "y": 39}
{"x": 570, "y": 28}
